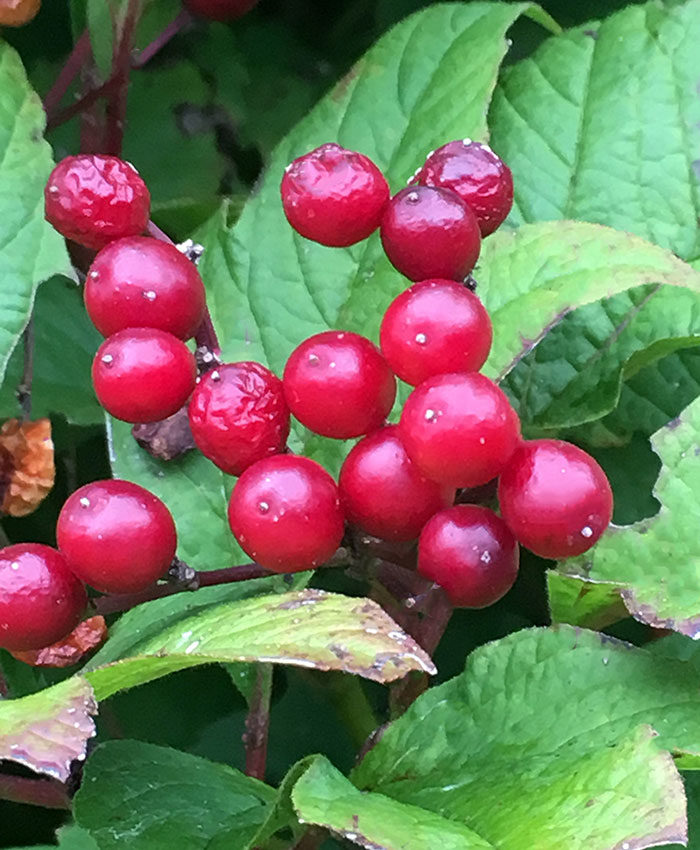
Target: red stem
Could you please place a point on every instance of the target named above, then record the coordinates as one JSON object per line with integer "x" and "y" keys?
{"x": 47, "y": 793}
{"x": 116, "y": 104}
{"x": 182, "y": 21}
{"x": 77, "y": 58}
{"x": 83, "y": 104}
{"x": 257, "y": 724}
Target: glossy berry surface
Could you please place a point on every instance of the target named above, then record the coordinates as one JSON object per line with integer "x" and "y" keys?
{"x": 116, "y": 536}
{"x": 338, "y": 384}
{"x": 16, "y": 13}
{"x": 555, "y": 498}
{"x": 143, "y": 374}
{"x": 94, "y": 199}
{"x": 285, "y": 512}
{"x": 220, "y": 10}
{"x": 459, "y": 429}
{"x": 41, "y": 601}
{"x": 383, "y": 492}
{"x": 238, "y": 415}
{"x": 334, "y": 196}
{"x": 430, "y": 233}
{"x": 477, "y": 175}
{"x": 471, "y": 553}
{"x": 435, "y": 327}
{"x": 138, "y": 282}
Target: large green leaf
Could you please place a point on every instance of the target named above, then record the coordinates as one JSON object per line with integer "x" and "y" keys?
{"x": 146, "y": 797}
{"x": 30, "y": 249}
{"x": 656, "y": 561}
{"x": 322, "y": 631}
{"x": 538, "y": 744}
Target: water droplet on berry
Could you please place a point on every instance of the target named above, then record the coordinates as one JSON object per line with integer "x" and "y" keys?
{"x": 85, "y": 502}
{"x": 485, "y": 558}
{"x": 430, "y": 415}
{"x": 149, "y": 295}
{"x": 482, "y": 441}
{"x": 587, "y": 531}
{"x": 263, "y": 507}
{"x": 94, "y": 274}
{"x": 466, "y": 141}
{"x": 53, "y": 189}
{"x": 332, "y": 364}
{"x": 421, "y": 339}
{"x": 107, "y": 359}
{"x": 313, "y": 360}
{"x": 14, "y": 565}
{"x": 215, "y": 376}
{"x": 412, "y": 197}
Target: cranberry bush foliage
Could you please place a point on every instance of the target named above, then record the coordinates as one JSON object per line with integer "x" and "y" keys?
{"x": 551, "y": 737}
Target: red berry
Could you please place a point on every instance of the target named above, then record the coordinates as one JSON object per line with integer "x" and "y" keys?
{"x": 334, "y": 196}
{"x": 338, "y": 384}
{"x": 429, "y": 233}
{"x": 116, "y": 536}
{"x": 555, "y": 498}
{"x": 143, "y": 374}
{"x": 139, "y": 282}
{"x": 16, "y": 13}
{"x": 238, "y": 415}
{"x": 220, "y": 10}
{"x": 435, "y": 327}
{"x": 477, "y": 175}
{"x": 459, "y": 429}
{"x": 471, "y": 553}
{"x": 41, "y": 601}
{"x": 94, "y": 199}
{"x": 383, "y": 492}
{"x": 285, "y": 512}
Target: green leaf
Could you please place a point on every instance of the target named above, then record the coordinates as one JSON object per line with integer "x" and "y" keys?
{"x": 48, "y": 730}
{"x": 593, "y": 605}
{"x": 146, "y": 797}
{"x": 654, "y": 561}
{"x": 325, "y": 797}
{"x": 538, "y": 744}
{"x": 602, "y": 124}
{"x": 322, "y": 631}
{"x": 30, "y": 249}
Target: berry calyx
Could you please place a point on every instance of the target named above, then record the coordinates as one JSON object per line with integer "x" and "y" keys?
{"x": 459, "y": 429}
{"x": 41, "y": 601}
{"x": 220, "y": 10}
{"x": 338, "y": 384}
{"x": 143, "y": 374}
{"x": 334, "y": 196}
{"x": 384, "y": 493}
{"x": 138, "y": 282}
{"x": 116, "y": 536}
{"x": 477, "y": 175}
{"x": 238, "y": 415}
{"x": 435, "y": 327}
{"x": 471, "y": 553}
{"x": 95, "y": 199}
{"x": 430, "y": 233}
{"x": 285, "y": 512}
{"x": 555, "y": 498}
{"x": 16, "y": 13}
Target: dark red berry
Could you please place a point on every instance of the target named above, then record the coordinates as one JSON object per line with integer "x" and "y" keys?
{"x": 555, "y": 498}
{"x": 435, "y": 327}
{"x": 477, "y": 175}
{"x": 471, "y": 553}
{"x": 139, "y": 282}
{"x": 430, "y": 233}
{"x": 41, "y": 601}
{"x": 116, "y": 536}
{"x": 383, "y": 492}
{"x": 16, "y": 13}
{"x": 238, "y": 415}
{"x": 334, "y": 196}
{"x": 285, "y": 512}
{"x": 94, "y": 199}
{"x": 459, "y": 429}
{"x": 220, "y": 10}
{"x": 338, "y": 384}
{"x": 143, "y": 374}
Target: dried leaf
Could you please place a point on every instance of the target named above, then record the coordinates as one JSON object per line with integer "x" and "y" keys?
{"x": 27, "y": 468}
{"x": 85, "y": 637}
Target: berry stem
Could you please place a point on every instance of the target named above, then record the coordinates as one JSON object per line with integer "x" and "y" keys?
{"x": 83, "y": 104}
{"x": 121, "y": 66}
{"x": 4, "y": 687}
{"x": 179, "y": 23}
{"x": 48, "y": 793}
{"x": 24, "y": 389}
{"x": 257, "y": 723}
{"x": 76, "y": 59}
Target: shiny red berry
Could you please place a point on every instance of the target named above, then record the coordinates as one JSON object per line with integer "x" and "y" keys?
{"x": 94, "y": 199}
{"x": 334, "y": 196}
{"x": 459, "y": 429}
{"x": 139, "y": 282}
{"x": 238, "y": 415}
{"x": 471, "y": 553}
{"x": 41, "y": 601}
{"x": 116, "y": 536}
{"x": 477, "y": 175}
{"x": 285, "y": 512}
{"x": 338, "y": 384}
{"x": 143, "y": 374}
{"x": 434, "y": 327}
{"x": 555, "y": 498}
{"x": 220, "y": 10}
{"x": 383, "y": 492}
{"x": 430, "y": 233}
